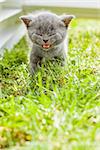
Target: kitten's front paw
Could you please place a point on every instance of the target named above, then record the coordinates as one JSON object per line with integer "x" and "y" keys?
{"x": 32, "y": 71}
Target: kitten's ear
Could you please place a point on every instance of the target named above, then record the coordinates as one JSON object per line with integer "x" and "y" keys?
{"x": 67, "y": 19}
{"x": 26, "y": 19}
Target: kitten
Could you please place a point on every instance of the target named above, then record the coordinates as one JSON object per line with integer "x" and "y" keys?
{"x": 47, "y": 32}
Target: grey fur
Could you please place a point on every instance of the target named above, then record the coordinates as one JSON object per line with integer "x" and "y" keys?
{"x": 47, "y": 32}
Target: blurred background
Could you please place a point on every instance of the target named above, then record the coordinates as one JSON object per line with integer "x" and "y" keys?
{"x": 11, "y": 28}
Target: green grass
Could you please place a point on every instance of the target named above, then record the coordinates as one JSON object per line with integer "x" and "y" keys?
{"x": 58, "y": 108}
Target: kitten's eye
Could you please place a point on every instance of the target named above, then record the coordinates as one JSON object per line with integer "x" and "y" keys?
{"x": 39, "y": 34}
{"x": 52, "y": 28}
{"x": 52, "y": 34}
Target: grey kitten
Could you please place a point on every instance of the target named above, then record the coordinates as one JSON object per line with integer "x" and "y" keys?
{"x": 47, "y": 32}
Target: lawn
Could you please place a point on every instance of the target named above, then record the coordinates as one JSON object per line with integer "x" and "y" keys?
{"x": 59, "y": 107}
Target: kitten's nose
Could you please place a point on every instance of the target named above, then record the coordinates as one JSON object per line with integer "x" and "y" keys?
{"x": 45, "y": 41}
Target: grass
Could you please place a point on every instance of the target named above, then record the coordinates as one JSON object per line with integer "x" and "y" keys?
{"x": 58, "y": 108}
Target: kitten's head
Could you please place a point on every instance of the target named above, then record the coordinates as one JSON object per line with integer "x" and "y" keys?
{"x": 47, "y": 30}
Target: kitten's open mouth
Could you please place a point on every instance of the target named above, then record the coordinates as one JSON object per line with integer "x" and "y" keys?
{"x": 46, "y": 46}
